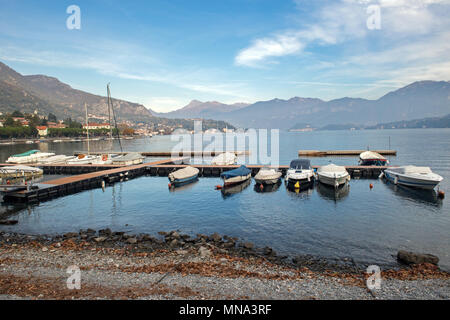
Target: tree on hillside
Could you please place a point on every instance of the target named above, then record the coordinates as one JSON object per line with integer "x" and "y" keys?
{"x": 52, "y": 117}
{"x": 17, "y": 114}
{"x": 9, "y": 122}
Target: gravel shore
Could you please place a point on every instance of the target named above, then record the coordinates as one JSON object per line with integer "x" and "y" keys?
{"x": 173, "y": 266}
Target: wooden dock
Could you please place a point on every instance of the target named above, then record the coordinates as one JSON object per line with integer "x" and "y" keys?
{"x": 73, "y": 184}
{"x": 163, "y": 170}
{"x": 326, "y": 153}
{"x": 167, "y": 153}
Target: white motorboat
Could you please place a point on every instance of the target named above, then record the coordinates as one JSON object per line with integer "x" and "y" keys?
{"x": 57, "y": 159}
{"x": 300, "y": 174}
{"x": 236, "y": 176}
{"x": 412, "y": 176}
{"x": 224, "y": 159}
{"x": 333, "y": 175}
{"x": 83, "y": 159}
{"x": 267, "y": 175}
{"x": 103, "y": 159}
{"x": 370, "y": 158}
{"x": 20, "y": 171}
{"x": 129, "y": 159}
{"x": 31, "y": 156}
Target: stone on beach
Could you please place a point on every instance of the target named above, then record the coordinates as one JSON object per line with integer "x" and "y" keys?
{"x": 416, "y": 258}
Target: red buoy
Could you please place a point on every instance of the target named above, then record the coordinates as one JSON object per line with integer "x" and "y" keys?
{"x": 170, "y": 185}
{"x": 441, "y": 194}
{"x": 371, "y": 186}
{"x": 218, "y": 187}
{"x": 261, "y": 186}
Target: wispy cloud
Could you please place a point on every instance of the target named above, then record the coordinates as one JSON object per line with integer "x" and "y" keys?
{"x": 346, "y": 21}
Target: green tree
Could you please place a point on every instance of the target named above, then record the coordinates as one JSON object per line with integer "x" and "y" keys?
{"x": 52, "y": 118}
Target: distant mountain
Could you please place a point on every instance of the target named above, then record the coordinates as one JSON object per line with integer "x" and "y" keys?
{"x": 48, "y": 94}
{"x": 204, "y": 110}
{"x": 417, "y": 100}
{"x": 436, "y": 122}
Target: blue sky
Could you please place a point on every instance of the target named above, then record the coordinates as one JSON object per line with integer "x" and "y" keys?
{"x": 164, "y": 54}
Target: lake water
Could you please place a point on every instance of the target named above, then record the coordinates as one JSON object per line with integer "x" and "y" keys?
{"x": 368, "y": 225}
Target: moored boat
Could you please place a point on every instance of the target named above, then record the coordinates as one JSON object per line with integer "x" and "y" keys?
{"x": 31, "y": 156}
{"x": 129, "y": 159}
{"x": 183, "y": 176}
{"x": 413, "y": 176}
{"x": 224, "y": 159}
{"x": 300, "y": 174}
{"x": 267, "y": 175}
{"x": 333, "y": 175}
{"x": 236, "y": 176}
{"x": 370, "y": 158}
{"x": 20, "y": 171}
{"x": 57, "y": 159}
{"x": 83, "y": 159}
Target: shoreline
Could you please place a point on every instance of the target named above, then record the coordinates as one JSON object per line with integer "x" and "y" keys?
{"x": 116, "y": 265}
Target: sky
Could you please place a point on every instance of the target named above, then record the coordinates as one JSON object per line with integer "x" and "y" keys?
{"x": 163, "y": 54}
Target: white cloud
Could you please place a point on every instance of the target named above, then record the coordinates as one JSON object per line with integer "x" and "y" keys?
{"x": 346, "y": 21}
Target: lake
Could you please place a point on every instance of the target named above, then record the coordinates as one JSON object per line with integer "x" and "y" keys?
{"x": 369, "y": 225}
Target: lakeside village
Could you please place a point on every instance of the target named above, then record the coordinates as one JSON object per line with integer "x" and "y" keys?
{"x": 20, "y": 126}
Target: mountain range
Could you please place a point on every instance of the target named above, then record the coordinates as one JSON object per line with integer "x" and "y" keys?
{"x": 418, "y": 100}
{"x": 48, "y": 94}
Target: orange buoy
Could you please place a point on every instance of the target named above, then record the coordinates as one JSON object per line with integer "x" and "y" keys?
{"x": 371, "y": 186}
{"x": 8, "y": 182}
{"x": 170, "y": 185}
{"x": 441, "y": 194}
{"x": 261, "y": 186}
{"x": 218, "y": 187}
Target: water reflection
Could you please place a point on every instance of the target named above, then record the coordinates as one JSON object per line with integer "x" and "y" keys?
{"x": 184, "y": 187}
{"x": 299, "y": 193}
{"x": 267, "y": 187}
{"x": 415, "y": 195}
{"x": 330, "y": 193}
{"x": 230, "y": 191}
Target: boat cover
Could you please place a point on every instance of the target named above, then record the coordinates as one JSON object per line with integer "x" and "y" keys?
{"x": 300, "y": 164}
{"x": 25, "y": 154}
{"x": 226, "y": 158}
{"x": 183, "y": 173}
{"x": 411, "y": 169}
{"x": 371, "y": 155}
{"x": 268, "y": 173}
{"x": 332, "y": 168}
{"x": 129, "y": 157}
{"x": 241, "y": 171}
{"x": 20, "y": 169}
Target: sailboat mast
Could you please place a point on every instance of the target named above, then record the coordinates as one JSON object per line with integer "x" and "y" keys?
{"x": 109, "y": 112}
{"x": 87, "y": 127}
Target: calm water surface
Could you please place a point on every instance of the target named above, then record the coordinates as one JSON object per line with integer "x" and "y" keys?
{"x": 369, "y": 225}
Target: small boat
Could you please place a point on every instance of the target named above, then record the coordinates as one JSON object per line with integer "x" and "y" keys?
{"x": 31, "y": 156}
{"x": 57, "y": 159}
{"x": 236, "y": 176}
{"x": 412, "y": 176}
{"x": 224, "y": 159}
{"x": 83, "y": 159}
{"x": 333, "y": 175}
{"x": 129, "y": 159}
{"x": 267, "y": 175}
{"x": 300, "y": 175}
{"x": 370, "y": 158}
{"x": 183, "y": 176}
{"x": 20, "y": 171}
{"x": 103, "y": 159}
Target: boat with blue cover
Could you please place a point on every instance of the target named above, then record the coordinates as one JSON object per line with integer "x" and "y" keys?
{"x": 236, "y": 176}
